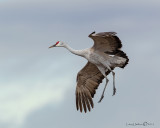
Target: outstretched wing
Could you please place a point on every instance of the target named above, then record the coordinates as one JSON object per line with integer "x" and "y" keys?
{"x": 106, "y": 42}
{"x": 88, "y": 80}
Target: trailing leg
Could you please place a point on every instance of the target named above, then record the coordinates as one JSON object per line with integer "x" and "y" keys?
{"x": 113, "y": 73}
{"x": 114, "y": 88}
{"x": 103, "y": 90}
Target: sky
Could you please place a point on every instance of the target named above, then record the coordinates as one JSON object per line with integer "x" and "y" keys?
{"x": 37, "y": 84}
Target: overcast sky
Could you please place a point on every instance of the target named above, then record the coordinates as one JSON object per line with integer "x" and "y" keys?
{"x": 37, "y": 84}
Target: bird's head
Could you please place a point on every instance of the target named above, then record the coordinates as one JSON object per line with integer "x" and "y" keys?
{"x": 58, "y": 44}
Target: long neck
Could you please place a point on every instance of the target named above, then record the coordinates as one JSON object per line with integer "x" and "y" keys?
{"x": 76, "y": 52}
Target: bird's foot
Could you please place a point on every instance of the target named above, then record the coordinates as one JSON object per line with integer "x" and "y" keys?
{"x": 101, "y": 99}
{"x": 114, "y": 91}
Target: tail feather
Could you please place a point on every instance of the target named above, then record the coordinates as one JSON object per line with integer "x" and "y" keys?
{"x": 122, "y": 54}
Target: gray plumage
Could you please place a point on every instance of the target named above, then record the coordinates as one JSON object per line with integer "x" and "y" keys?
{"x": 102, "y": 58}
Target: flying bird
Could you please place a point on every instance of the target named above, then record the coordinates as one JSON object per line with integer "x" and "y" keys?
{"x": 103, "y": 57}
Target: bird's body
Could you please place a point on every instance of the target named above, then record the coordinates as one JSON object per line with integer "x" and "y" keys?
{"x": 102, "y": 58}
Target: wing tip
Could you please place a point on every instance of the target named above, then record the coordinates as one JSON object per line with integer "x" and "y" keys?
{"x": 90, "y": 35}
{"x": 84, "y": 102}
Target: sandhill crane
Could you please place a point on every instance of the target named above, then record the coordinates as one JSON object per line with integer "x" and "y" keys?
{"x": 102, "y": 58}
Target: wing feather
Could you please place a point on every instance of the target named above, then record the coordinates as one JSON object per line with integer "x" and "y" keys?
{"x": 106, "y": 41}
{"x": 87, "y": 101}
{"x": 80, "y": 101}
{"x": 84, "y": 101}
{"x": 88, "y": 80}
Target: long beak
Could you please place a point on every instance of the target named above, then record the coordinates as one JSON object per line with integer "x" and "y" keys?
{"x": 52, "y": 46}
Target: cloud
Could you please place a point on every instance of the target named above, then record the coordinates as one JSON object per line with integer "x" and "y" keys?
{"x": 25, "y": 91}
{"x": 19, "y": 100}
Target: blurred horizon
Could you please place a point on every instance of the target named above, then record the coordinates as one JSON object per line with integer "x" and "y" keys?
{"x": 37, "y": 84}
